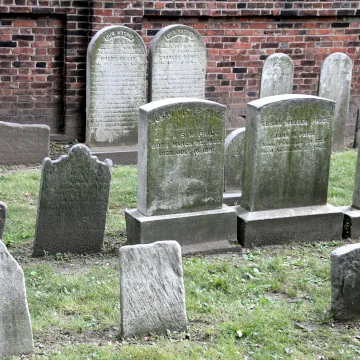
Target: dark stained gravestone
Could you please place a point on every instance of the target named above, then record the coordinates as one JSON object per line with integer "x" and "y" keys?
{"x": 2, "y": 218}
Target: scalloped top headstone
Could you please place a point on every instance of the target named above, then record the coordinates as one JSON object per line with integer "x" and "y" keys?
{"x": 2, "y": 218}
{"x": 74, "y": 194}
{"x": 277, "y": 75}
{"x": 116, "y": 87}
{"x": 177, "y": 64}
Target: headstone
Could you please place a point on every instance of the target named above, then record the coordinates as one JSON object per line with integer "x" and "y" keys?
{"x": 177, "y": 65}
{"x": 345, "y": 281}
{"x": 23, "y": 144}
{"x": 74, "y": 194}
{"x": 116, "y": 87}
{"x": 335, "y": 84}
{"x": 234, "y": 162}
{"x": 277, "y": 75}
{"x": 15, "y": 326}
{"x": 287, "y": 160}
{"x": 152, "y": 293}
{"x": 3, "y": 208}
{"x": 181, "y": 174}
{"x": 357, "y": 130}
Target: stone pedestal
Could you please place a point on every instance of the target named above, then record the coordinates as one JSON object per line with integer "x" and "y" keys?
{"x": 351, "y": 222}
{"x": 232, "y": 198}
{"x": 293, "y": 225}
{"x": 118, "y": 157}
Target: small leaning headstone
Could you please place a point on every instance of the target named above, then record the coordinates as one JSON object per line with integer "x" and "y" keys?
{"x": 152, "y": 293}
{"x": 15, "y": 325}
{"x": 2, "y": 218}
{"x": 345, "y": 281}
{"x": 74, "y": 195}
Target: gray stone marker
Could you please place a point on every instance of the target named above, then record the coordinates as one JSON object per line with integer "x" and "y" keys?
{"x": 180, "y": 174}
{"x": 357, "y": 130}
{"x": 152, "y": 293}
{"x": 345, "y": 281}
{"x": 177, "y": 64}
{"x": 285, "y": 178}
{"x": 335, "y": 84}
{"x": 15, "y": 326}
{"x": 116, "y": 87}
{"x": 234, "y": 162}
{"x": 3, "y": 209}
{"x": 74, "y": 194}
{"x": 23, "y": 144}
{"x": 277, "y": 75}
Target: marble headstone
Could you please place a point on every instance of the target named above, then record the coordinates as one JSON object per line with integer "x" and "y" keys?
{"x": 345, "y": 281}
{"x": 335, "y": 84}
{"x": 2, "y": 218}
{"x": 277, "y": 75}
{"x": 23, "y": 144}
{"x": 152, "y": 293}
{"x": 177, "y": 65}
{"x": 74, "y": 194}
{"x": 15, "y": 325}
{"x": 116, "y": 87}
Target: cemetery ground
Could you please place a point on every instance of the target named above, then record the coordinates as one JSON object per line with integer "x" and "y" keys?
{"x": 263, "y": 303}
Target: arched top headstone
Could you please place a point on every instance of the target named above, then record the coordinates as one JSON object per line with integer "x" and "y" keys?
{"x": 277, "y": 75}
{"x": 177, "y": 64}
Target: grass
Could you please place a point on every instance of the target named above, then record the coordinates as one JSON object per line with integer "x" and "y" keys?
{"x": 267, "y": 303}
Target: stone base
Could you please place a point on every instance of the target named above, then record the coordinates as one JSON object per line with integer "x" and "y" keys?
{"x": 196, "y": 232}
{"x": 283, "y": 226}
{"x": 125, "y": 157}
{"x": 351, "y": 227}
{"x": 232, "y": 198}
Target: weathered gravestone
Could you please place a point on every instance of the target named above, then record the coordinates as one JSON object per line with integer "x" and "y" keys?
{"x": 345, "y": 281}
{"x": 285, "y": 178}
{"x": 177, "y": 64}
{"x": 74, "y": 194}
{"x": 335, "y": 84}
{"x": 181, "y": 175}
{"x": 277, "y": 75}
{"x": 234, "y": 161}
{"x": 116, "y": 87}
{"x": 2, "y": 218}
{"x": 23, "y": 144}
{"x": 15, "y": 326}
{"x": 357, "y": 130}
{"x": 152, "y": 293}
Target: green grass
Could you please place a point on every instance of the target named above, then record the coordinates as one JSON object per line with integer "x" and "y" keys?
{"x": 268, "y": 303}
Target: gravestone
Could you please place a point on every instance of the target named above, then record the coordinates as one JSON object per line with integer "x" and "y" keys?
{"x": 285, "y": 178}
{"x": 23, "y": 144}
{"x": 357, "y": 130}
{"x": 345, "y": 281}
{"x": 234, "y": 161}
{"x": 2, "y": 218}
{"x": 152, "y": 293}
{"x": 177, "y": 64}
{"x": 15, "y": 325}
{"x": 277, "y": 75}
{"x": 74, "y": 194}
{"x": 335, "y": 84}
{"x": 116, "y": 87}
{"x": 180, "y": 175}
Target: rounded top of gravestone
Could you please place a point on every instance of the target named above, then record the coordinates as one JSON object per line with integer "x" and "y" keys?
{"x": 3, "y": 205}
{"x": 233, "y": 136}
{"x": 337, "y": 55}
{"x": 80, "y": 148}
{"x": 281, "y": 56}
{"x": 345, "y": 249}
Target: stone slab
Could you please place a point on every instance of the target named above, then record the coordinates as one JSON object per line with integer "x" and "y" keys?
{"x": 15, "y": 325}
{"x": 200, "y": 227}
{"x": 152, "y": 292}
{"x": 3, "y": 209}
{"x": 177, "y": 64}
{"x": 345, "y": 281}
{"x": 211, "y": 248}
{"x": 23, "y": 144}
{"x": 351, "y": 222}
{"x": 73, "y": 201}
{"x": 356, "y": 192}
{"x": 232, "y": 198}
{"x": 291, "y": 225}
{"x": 126, "y": 157}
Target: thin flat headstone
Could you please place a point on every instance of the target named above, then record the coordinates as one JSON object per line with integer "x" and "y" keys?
{"x": 335, "y": 84}
{"x": 116, "y": 87}
{"x": 345, "y": 281}
{"x": 3, "y": 209}
{"x": 23, "y": 144}
{"x": 177, "y": 64}
{"x": 277, "y": 75}
{"x": 287, "y": 152}
{"x": 15, "y": 325}
{"x": 152, "y": 293}
{"x": 234, "y": 159}
{"x": 357, "y": 130}
{"x": 356, "y": 193}
{"x": 74, "y": 194}
{"x": 181, "y": 156}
